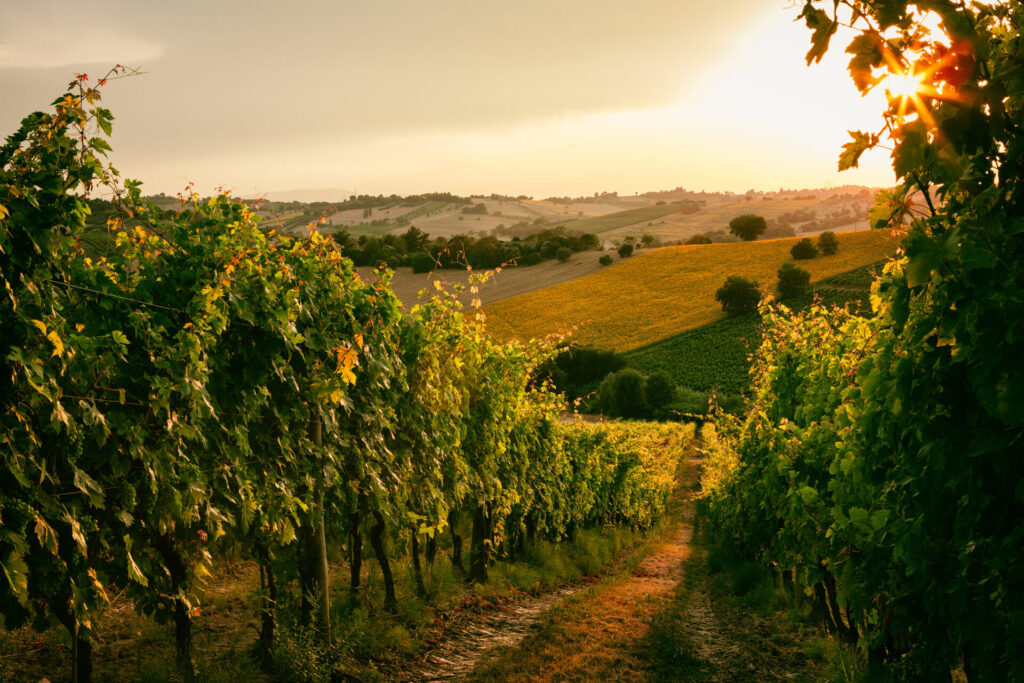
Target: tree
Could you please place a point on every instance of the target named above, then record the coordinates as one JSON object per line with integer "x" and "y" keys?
{"x": 415, "y": 239}
{"x": 648, "y": 240}
{"x": 421, "y": 262}
{"x": 748, "y": 226}
{"x": 605, "y": 260}
{"x": 699, "y": 238}
{"x": 625, "y": 249}
{"x": 793, "y": 280}
{"x": 622, "y": 394}
{"x": 563, "y": 254}
{"x": 827, "y": 243}
{"x": 738, "y": 295}
{"x": 804, "y": 249}
{"x": 659, "y": 392}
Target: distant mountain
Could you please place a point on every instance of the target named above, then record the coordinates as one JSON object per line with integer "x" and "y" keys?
{"x": 324, "y": 194}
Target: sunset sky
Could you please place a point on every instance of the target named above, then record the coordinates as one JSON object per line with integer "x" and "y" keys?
{"x": 523, "y": 97}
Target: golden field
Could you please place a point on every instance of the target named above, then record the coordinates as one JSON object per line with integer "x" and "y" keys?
{"x": 667, "y": 291}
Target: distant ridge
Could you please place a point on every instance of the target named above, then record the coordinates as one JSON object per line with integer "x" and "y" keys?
{"x": 324, "y": 194}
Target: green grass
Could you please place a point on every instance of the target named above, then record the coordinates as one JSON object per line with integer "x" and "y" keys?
{"x": 621, "y": 219}
{"x": 861, "y": 278}
{"x": 716, "y": 355}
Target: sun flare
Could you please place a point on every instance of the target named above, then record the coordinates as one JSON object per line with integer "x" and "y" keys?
{"x": 904, "y": 85}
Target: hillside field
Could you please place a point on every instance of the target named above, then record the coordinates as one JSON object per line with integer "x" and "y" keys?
{"x": 511, "y": 281}
{"x": 646, "y": 298}
{"x": 717, "y": 356}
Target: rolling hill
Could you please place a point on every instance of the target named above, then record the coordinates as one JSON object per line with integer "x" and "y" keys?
{"x": 667, "y": 291}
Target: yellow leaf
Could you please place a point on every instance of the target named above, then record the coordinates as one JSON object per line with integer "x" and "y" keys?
{"x": 359, "y": 341}
{"x": 41, "y": 325}
{"x": 438, "y": 286}
{"x": 58, "y": 345}
{"x": 79, "y": 327}
{"x": 347, "y": 376}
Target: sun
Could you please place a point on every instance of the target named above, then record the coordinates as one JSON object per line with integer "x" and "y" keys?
{"x": 906, "y": 85}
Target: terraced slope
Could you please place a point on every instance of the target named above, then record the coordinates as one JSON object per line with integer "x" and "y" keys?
{"x": 667, "y": 291}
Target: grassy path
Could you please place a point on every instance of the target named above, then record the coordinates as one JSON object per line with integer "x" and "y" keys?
{"x": 662, "y": 615}
{"x": 593, "y": 635}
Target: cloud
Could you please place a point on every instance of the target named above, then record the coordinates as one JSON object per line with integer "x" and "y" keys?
{"x": 41, "y": 42}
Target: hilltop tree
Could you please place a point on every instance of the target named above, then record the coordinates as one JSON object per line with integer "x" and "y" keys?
{"x": 827, "y": 243}
{"x": 793, "y": 280}
{"x": 738, "y": 295}
{"x": 804, "y": 249}
{"x": 748, "y": 227}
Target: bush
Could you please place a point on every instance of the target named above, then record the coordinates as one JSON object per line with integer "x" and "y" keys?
{"x": 625, "y": 250}
{"x": 793, "y": 280}
{"x": 748, "y": 226}
{"x": 690, "y": 402}
{"x": 659, "y": 393}
{"x": 605, "y": 260}
{"x": 577, "y": 371}
{"x": 804, "y": 249}
{"x": 421, "y": 262}
{"x": 733, "y": 404}
{"x": 699, "y": 238}
{"x": 563, "y": 254}
{"x": 622, "y": 394}
{"x": 827, "y": 243}
{"x": 530, "y": 259}
{"x": 738, "y": 295}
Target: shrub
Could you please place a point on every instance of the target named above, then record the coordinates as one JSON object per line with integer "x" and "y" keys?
{"x": 530, "y": 259}
{"x": 625, "y": 250}
{"x": 622, "y": 394}
{"x": 793, "y": 280}
{"x": 421, "y": 262}
{"x": 563, "y": 254}
{"x": 659, "y": 393}
{"x": 577, "y": 371}
{"x": 699, "y": 238}
{"x": 804, "y": 249}
{"x": 605, "y": 260}
{"x": 690, "y": 401}
{"x": 738, "y": 295}
{"x": 827, "y": 243}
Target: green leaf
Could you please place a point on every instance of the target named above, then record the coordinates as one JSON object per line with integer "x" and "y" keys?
{"x": 823, "y": 28}
{"x": 867, "y": 56}
{"x": 16, "y": 573}
{"x": 100, "y": 145}
{"x": 46, "y": 535}
{"x": 134, "y": 573}
{"x": 911, "y": 153}
{"x": 889, "y": 12}
{"x": 853, "y": 149}
{"x": 879, "y": 518}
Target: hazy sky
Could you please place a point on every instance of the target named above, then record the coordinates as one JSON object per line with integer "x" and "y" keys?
{"x": 515, "y": 97}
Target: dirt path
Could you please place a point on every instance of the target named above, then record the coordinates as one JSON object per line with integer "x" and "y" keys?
{"x": 594, "y": 635}
{"x": 507, "y": 626}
